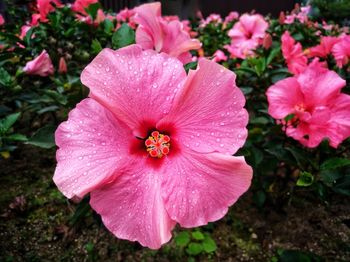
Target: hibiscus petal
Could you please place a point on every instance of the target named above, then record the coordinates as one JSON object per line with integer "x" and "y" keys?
{"x": 135, "y": 85}
{"x": 283, "y": 97}
{"x": 132, "y": 207}
{"x": 208, "y": 113}
{"x": 199, "y": 188}
{"x": 328, "y": 84}
{"x": 93, "y": 144}
{"x": 148, "y": 16}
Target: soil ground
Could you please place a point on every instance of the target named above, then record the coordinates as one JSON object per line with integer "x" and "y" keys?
{"x": 38, "y": 224}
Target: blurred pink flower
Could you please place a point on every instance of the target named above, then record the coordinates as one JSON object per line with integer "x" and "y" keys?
{"x": 293, "y": 54}
{"x": 2, "y": 20}
{"x": 246, "y": 35}
{"x": 41, "y": 65}
{"x": 24, "y": 30}
{"x": 301, "y": 16}
{"x": 62, "y": 67}
{"x": 44, "y": 8}
{"x": 125, "y": 15}
{"x": 79, "y": 6}
{"x": 231, "y": 17}
{"x": 154, "y": 148}
{"x": 324, "y": 48}
{"x": 213, "y": 18}
{"x": 313, "y": 97}
{"x": 219, "y": 56}
{"x": 153, "y": 32}
{"x": 341, "y": 51}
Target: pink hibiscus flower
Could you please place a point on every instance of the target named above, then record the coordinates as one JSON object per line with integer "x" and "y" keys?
{"x": 156, "y": 33}
{"x": 41, "y": 65}
{"x": 246, "y": 35}
{"x": 152, "y": 145}
{"x": 44, "y": 8}
{"x": 79, "y": 6}
{"x": 219, "y": 56}
{"x": 213, "y": 18}
{"x": 341, "y": 51}
{"x": 313, "y": 97}
{"x": 231, "y": 17}
{"x": 324, "y": 48}
{"x": 2, "y": 20}
{"x": 293, "y": 54}
{"x": 301, "y": 15}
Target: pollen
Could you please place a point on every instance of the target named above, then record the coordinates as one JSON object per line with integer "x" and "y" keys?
{"x": 158, "y": 145}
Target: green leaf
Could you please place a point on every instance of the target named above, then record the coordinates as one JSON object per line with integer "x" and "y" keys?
{"x": 335, "y": 162}
{"x": 81, "y": 211}
{"x": 44, "y": 137}
{"x": 274, "y": 52}
{"x": 7, "y": 122}
{"x": 194, "y": 249}
{"x": 197, "y": 235}
{"x": 330, "y": 176}
{"x": 28, "y": 36}
{"x": 209, "y": 244}
{"x": 92, "y": 10}
{"x": 259, "y": 120}
{"x": 342, "y": 185}
{"x": 5, "y": 78}
{"x": 56, "y": 96}
{"x": 124, "y": 36}
{"x": 289, "y": 117}
{"x": 191, "y": 65}
{"x": 182, "y": 239}
{"x": 305, "y": 179}
{"x": 96, "y": 46}
{"x": 108, "y": 26}
{"x": 17, "y": 137}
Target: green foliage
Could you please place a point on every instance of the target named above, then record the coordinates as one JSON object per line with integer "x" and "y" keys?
{"x": 124, "y": 36}
{"x": 195, "y": 243}
{"x": 336, "y": 10}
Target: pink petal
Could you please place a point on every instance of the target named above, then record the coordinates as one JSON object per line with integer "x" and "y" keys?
{"x": 176, "y": 40}
{"x": 93, "y": 145}
{"x": 208, "y": 113}
{"x": 143, "y": 38}
{"x": 148, "y": 17}
{"x": 132, "y": 207}
{"x": 320, "y": 85}
{"x": 283, "y": 97}
{"x": 199, "y": 188}
{"x": 136, "y": 85}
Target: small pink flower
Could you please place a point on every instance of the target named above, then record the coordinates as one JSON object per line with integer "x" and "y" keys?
{"x": 246, "y": 35}
{"x": 154, "y": 148}
{"x": 79, "y": 6}
{"x": 45, "y": 7}
{"x": 62, "y": 67}
{"x": 219, "y": 56}
{"x": 154, "y": 32}
{"x": 302, "y": 15}
{"x": 41, "y": 65}
{"x": 213, "y": 18}
{"x": 293, "y": 54}
{"x": 313, "y": 97}
{"x": 2, "y": 20}
{"x": 324, "y": 48}
{"x": 341, "y": 51}
{"x": 231, "y": 17}
{"x": 125, "y": 15}
{"x": 24, "y": 30}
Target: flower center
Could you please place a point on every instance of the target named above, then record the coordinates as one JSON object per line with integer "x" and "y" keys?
{"x": 157, "y": 144}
